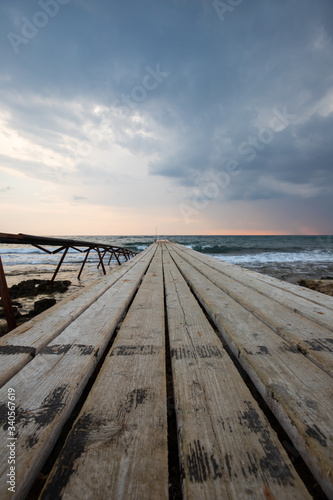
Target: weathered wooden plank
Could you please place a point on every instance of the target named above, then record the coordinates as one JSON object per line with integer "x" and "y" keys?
{"x": 48, "y": 388}
{"x": 319, "y": 298}
{"x": 117, "y": 448}
{"x": 227, "y": 446}
{"x": 316, "y": 307}
{"x": 302, "y": 334}
{"x": 297, "y": 291}
{"x": 18, "y": 347}
{"x": 298, "y": 392}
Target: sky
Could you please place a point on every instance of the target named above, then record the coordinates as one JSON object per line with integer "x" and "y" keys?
{"x": 177, "y": 116}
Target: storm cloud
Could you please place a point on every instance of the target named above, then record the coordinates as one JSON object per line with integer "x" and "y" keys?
{"x": 215, "y": 107}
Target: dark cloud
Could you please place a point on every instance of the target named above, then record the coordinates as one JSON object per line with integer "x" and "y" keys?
{"x": 225, "y": 81}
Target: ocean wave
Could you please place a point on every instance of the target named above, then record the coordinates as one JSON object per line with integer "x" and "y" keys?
{"x": 247, "y": 250}
{"x": 19, "y": 251}
{"x": 314, "y": 257}
{"x": 234, "y": 249}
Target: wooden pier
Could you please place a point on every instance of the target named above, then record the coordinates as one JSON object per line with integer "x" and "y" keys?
{"x": 238, "y": 365}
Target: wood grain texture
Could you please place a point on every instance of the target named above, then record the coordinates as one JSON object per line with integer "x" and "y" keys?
{"x": 117, "y": 448}
{"x": 227, "y": 446}
{"x": 299, "y": 393}
{"x": 311, "y": 339}
{"x": 48, "y": 387}
{"x": 18, "y": 347}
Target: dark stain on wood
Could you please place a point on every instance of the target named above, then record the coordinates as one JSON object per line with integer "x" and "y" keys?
{"x": 252, "y": 468}
{"x": 65, "y": 466}
{"x": 131, "y": 350}
{"x": 208, "y": 351}
{"x": 182, "y": 353}
{"x": 263, "y": 351}
{"x": 17, "y": 349}
{"x": 42, "y": 416}
{"x": 202, "y": 351}
{"x": 311, "y": 404}
{"x": 301, "y": 349}
{"x": 227, "y": 462}
{"x": 20, "y": 415}
{"x": 288, "y": 348}
{"x": 31, "y": 441}
{"x": 51, "y": 406}
{"x": 135, "y": 398}
{"x": 3, "y": 416}
{"x": 317, "y": 345}
{"x": 272, "y": 462}
{"x": 55, "y": 349}
{"x": 200, "y": 465}
{"x": 316, "y": 433}
{"x": 86, "y": 350}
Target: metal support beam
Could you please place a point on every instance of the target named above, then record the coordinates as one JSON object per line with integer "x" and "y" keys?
{"x": 83, "y": 263}
{"x": 6, "y": 301}
{"x": 100, "y": 259}
{"x": 58, "y": 266}
{"x": 116, "y": 256}
{"x": 111, "y": 254}
{"x": 41, "y": 248}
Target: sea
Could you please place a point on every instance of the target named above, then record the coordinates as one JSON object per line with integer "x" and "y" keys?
{"x": 290, "y": 258}
{"x": 275, "y": 255}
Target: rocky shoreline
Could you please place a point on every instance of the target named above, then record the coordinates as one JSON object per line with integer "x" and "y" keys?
{"x": 324, "y": 285}
{"x": 45, "y": 292}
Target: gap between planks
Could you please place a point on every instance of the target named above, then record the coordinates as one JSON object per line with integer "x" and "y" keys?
{"x": 228, "y": 448}
{"x": 118, "y": 445}
{"x": 303, "y": 335}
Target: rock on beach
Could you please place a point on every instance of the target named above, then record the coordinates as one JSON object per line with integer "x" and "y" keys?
{"x": 324, "y": 285}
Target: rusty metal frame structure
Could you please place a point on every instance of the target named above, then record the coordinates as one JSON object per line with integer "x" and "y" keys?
{"x": 6, "y": 301}
{"x": 64, "y": 244}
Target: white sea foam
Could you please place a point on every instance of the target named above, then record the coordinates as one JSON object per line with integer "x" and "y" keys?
{"x": 23, "y": 251}
{"x": 312, "y": 257}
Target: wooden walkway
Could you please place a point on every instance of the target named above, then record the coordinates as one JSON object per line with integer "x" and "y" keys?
{"x": 172, "y": 333}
